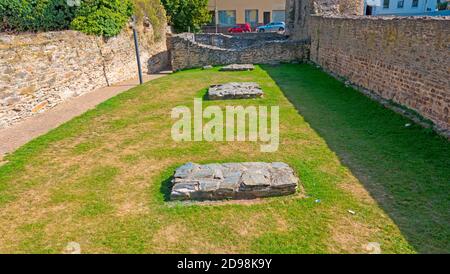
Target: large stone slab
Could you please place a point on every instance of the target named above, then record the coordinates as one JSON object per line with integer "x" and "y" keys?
{"x": 238, "y": 67}
{"x": 232, "y": 181}
{"x": 234, "y": 90}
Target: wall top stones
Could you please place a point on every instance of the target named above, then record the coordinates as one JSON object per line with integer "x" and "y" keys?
{"x": 227, "y": 42}
{"x": 383, "y": 18}
{"x": 188, "y": 50}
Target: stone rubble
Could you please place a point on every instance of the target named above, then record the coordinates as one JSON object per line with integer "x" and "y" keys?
{"x": 248, "y": 180}
{"x": 235, "y": 90}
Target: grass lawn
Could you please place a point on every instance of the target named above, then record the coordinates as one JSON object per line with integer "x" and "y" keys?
{"x": 100, "y": 179}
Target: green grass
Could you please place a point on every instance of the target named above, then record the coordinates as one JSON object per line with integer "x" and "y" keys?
{"x": 101, "y": 178}
{"x": 406, "y": 169}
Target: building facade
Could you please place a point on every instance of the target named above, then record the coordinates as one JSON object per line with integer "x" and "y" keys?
{"x": 401, "y": 7}
{"x": 228, "y": 13}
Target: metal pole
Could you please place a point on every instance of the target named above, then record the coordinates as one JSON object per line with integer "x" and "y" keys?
{"x": 216, "y": 14}
{"x": 136, "y": 47}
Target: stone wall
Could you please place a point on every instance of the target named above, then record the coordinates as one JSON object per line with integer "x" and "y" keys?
{"x": 188, "y": 50}
{"x": 402, "y": 59}
{"x": 238, "y": 40}
{"x": 40, "y": 70}
{"x": 298, "y": 13}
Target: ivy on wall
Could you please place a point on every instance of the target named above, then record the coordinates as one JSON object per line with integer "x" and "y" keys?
{"x": 102, "y": 17}
{"x": 96, "y": 17}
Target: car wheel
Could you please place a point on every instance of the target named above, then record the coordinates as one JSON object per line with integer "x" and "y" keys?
{"x": 281, "y": 29}
{"x": 262, "y": 30}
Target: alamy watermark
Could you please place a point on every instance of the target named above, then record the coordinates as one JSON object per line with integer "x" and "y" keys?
{"x": 73, "y": 3}
{"x": 228, "y": 124}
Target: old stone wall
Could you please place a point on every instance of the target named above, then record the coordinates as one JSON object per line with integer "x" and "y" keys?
{"x": 402, "y": 59}
{"x": 40, "y": 70}
{"x": 188, "y": 50}
{"x": 236, "y": 40}
{"x": 298, "y": 13}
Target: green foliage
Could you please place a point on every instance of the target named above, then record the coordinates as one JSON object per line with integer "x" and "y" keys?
{"x": 102, "y": 17}
{"x": 187, "y": 14}
{"x": 35, "y": 15}
{"x": 154, "y": 11}
{"x": 442, "y": 5}
{"x": 98, "y": 17}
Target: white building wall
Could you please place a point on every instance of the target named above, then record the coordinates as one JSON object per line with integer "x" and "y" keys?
{"x": 424, "y": 6}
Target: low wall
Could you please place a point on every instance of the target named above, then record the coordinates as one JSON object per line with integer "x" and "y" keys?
{"x": 187, "y": 52}
{"x": 401, "y": 59}
{"x": 237, "y": 41}
{"x": 40, "y": 70}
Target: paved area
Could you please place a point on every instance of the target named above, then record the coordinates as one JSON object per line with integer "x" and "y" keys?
{"x": 21, "y": 133}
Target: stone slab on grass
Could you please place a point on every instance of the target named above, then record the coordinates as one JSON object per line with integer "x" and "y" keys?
{"x": 238, "y": 67}
{"x": 244, "y": 90}
{"x": 232, "y": 181}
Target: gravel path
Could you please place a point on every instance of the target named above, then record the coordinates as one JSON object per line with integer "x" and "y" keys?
{"x": 19, "y": 134}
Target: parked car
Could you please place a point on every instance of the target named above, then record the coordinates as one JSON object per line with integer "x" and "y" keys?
{"x": 239, "y": 28}
{"x": 272, "y": 27}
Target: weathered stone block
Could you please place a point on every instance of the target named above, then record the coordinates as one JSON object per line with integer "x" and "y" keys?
{"x": 233, "y": 90}
{"x": 238, "y": 67}
{"x": 236, "y": 181}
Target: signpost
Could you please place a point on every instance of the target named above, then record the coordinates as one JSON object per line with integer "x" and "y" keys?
{"x": 136, "y": 46}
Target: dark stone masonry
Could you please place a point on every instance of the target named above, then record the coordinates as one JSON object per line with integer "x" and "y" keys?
{"x": 233, "y": 181}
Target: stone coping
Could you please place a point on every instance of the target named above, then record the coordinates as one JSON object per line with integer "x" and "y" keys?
{"x": 382, "y": 18}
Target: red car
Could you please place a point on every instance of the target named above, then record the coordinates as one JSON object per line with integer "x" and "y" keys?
{"x": 239, "y": 28}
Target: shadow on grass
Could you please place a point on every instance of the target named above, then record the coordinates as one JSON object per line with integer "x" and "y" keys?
{"x": 405, "y": 168}
{"x": 166, "y": 186}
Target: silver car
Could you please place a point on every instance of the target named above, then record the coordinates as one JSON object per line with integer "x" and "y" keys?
{"x": 272, "y": 27}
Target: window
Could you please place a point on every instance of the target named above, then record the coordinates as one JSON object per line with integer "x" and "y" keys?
{"x": 400, "y": 4}
{"x": 266, "y": 17}
{"x": 251, "y": 17}
{"x": 385, "y": 4}
{"x": 278, "y": 15}
{"x": 415, "y": 3}
{"x": 227, "y": 17}
{"x": 213, "y": 17}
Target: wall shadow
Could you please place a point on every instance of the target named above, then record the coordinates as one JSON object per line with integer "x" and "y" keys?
{"x": 406, "y": 169}
{"x": 158, "y": 62}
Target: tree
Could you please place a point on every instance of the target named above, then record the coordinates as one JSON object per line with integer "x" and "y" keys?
{"x": 102, "y": 17}
{"x": 187, "y": 14}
